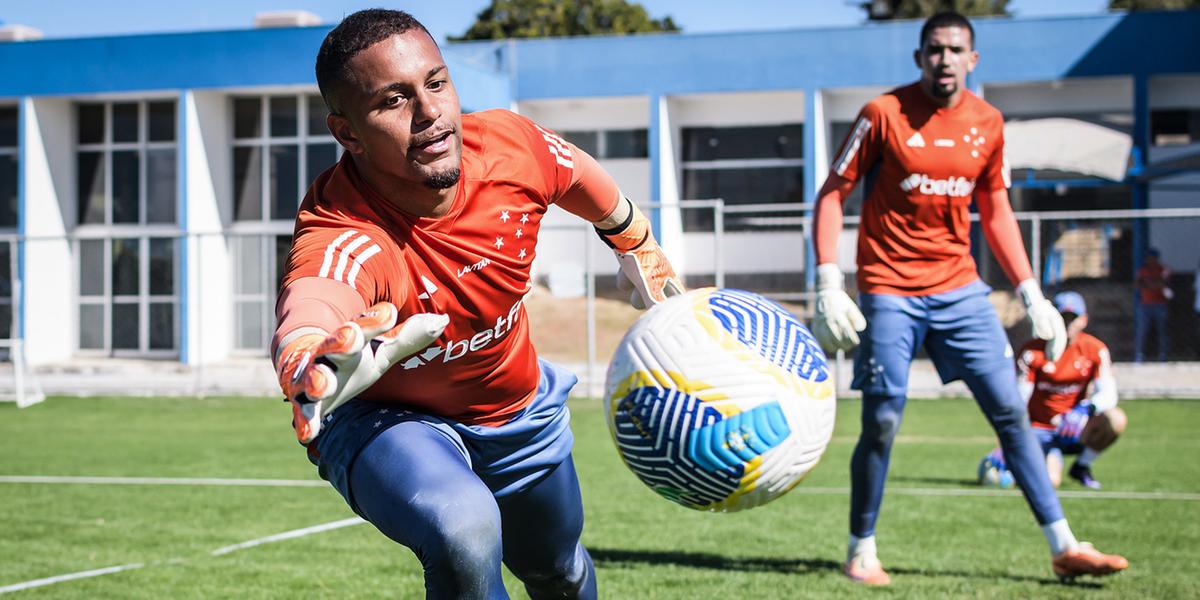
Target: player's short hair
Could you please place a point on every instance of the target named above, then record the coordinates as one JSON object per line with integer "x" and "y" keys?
{"x": 947, "y": 18}
{"x": 354, "y": 34}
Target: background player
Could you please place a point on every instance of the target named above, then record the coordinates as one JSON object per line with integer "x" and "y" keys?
{"x": 445, "y": 432}
{"x": 932, "y": 146}
{"x": 1072, "y": 400}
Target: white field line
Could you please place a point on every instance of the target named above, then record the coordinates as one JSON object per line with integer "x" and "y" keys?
{"x": 287, "y": 535}
{"x": 907, "y": 491}
{"x": 163, "y": 481}
{"x": 902, "y": 491}
{"x": 16, "y": 587}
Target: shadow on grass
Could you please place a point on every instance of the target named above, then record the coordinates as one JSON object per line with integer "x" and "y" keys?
{"x": 954, "y": 481}
{"x": 611, "y": 557}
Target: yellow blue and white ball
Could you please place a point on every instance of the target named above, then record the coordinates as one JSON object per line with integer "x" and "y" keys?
{"x": 720, "y": 400}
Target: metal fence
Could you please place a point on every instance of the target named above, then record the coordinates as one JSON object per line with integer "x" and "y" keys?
{"x": 761, "y": 247}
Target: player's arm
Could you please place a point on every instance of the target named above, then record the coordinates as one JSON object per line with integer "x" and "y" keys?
{"x": 837, "y": 319}
{"x": 1026, "y": 372}
{"x": 644, "y": 268}
{"x": 1000, "y": 228}
{"x": 1102, "y": 393}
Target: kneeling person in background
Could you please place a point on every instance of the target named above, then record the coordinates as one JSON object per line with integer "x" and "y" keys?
{"x": 1073, "y": 400}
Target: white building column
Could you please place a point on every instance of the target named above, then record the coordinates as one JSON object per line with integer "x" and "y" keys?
{"x": 664, "y": 182}
{"x": 209, "y": 272}
{"x": 47, "y": 200}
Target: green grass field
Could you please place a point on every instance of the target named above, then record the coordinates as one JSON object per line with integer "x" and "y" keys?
{"x": 939, "y": 535}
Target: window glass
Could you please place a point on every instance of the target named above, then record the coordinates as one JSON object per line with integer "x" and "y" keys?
{"x": 320, "y": 157}
{"x": 588, "y": 141}
{"x": 91, "y": 123}
{"x": 162, "y": 326}
{"x": 125, "y": 326}
{"x": 162, "y": 266}
{"x": 91, "y": 327}
{"x": 284, "y": 116}
{"x": 91, "y": 267}
{"x": 162, "y": 121}
{"x": 160, "y": 186}
{"x": 90, "y": 181}
{"x": 247, "y": 183}
{"x": 251, "y": 332}
{"x": 719, "y": 143}
{"x": 8, "y": 126}
{"x": 125, "y": 186}
{"x": 125, "y": 122}
{"x": 316, "y": 116}
{"x": 625, "y": 143}
{"x": 285, "y": 193}
{"x": 125, "y": 267}
{"x": 8, "y": 191}
{"x": 247, "y": 117}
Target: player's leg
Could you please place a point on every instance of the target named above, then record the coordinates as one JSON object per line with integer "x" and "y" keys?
{"x": 965, "y": 341}
{"x": 1141, "y": 322}
{"x": 1101, "y": 431}
{"x": 894, "y": 328}
{"x": 541, "y": 529}
{"x": 1160, "y": 328}
{"x": 414, "y": 484}
{"x": 1054, "y": 466}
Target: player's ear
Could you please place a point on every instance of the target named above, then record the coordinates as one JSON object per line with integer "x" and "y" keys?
{"x": 343, "y": 132}
{"x": 917, "y": 57}
{"x": 972, "y": 60}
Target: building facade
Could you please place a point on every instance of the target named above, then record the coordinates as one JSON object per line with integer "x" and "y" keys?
{"x": 148, "y": 183}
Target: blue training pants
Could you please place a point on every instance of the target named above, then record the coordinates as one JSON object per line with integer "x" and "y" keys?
{"x": 962, "y": 335}
{"x": 465, "y": 498}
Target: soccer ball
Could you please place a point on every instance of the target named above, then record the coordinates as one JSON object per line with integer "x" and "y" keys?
{"x": 719, "y": 400}
{"x": 993, "y": 472}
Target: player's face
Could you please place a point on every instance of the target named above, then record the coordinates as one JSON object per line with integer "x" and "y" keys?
{"x": 945, "y": 58}
{"x": 1075, "y": 324}
{"x": 401, "y": 112}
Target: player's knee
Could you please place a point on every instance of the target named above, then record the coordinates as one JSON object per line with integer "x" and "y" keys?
{"x": 464, "y": 543}
{"x": 564, "y": 578}
{"x": 1116, "y": 420}
{"x": 880, "y": 430}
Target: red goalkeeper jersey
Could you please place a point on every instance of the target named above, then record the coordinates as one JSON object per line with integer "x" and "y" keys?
{"x": 914, "y": 234}
{"x": 471, "y": 264}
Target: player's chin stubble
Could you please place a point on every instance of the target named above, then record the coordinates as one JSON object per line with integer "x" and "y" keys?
{"x": 445, "y": 179}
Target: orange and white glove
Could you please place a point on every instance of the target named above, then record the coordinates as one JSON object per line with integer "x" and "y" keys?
{"x": 319, "y": 372}
{"x": 645, "y": 270}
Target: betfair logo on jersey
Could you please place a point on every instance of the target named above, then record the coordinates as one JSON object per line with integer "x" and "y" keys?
{"x": 456, "y": 349}
{"x": 955, "y": 187}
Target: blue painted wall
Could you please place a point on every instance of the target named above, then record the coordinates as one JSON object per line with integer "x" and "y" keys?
{"x": 493, "y": 74}
{"x": 214, "y": 59}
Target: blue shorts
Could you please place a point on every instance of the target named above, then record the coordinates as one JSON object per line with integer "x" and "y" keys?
{"x": 1051, "y": 441}
{"x": 959, "y": 330}
{"x": 508, "y": 459}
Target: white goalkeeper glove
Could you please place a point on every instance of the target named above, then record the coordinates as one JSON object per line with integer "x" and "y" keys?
{"x": 838, "y": 320}
{"x": 645, "y": 270}
{"x": 1044, "y": 318}
{"x": 319, "y": 372}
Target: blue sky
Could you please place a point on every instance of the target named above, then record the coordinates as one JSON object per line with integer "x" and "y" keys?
{"x": 75, "y": 18}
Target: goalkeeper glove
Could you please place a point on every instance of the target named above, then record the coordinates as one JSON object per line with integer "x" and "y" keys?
{"x": 319, "y": 372}
{"x": 645, "y": 270}
{"x": 1047, "y": 323}
{"x": 838, "y": 319}
{"x": 1072, "y": 422}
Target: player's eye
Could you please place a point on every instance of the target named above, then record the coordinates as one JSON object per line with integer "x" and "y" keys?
{"x": 393, "y": 100}
{"x": 437, "y": 85}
